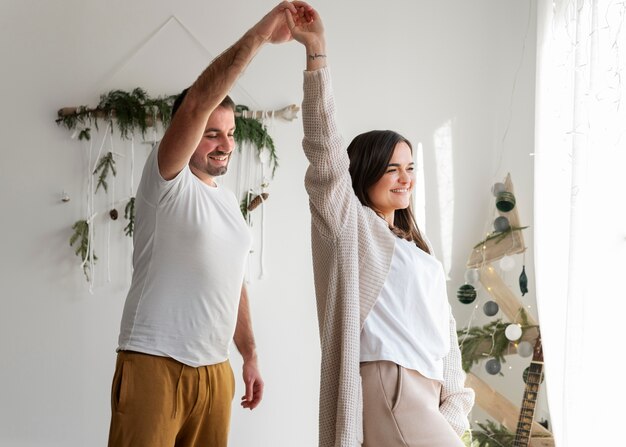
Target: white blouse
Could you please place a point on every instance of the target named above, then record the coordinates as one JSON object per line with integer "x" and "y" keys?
{"x": 409, "y": 324}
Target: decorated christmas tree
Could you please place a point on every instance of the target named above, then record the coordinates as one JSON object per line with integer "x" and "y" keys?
{"x": 513, "y": 331}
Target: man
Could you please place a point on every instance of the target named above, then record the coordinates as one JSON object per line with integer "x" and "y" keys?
{"x": 173, "y": 384}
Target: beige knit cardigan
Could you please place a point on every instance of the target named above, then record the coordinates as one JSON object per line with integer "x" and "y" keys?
{"x": 352, "y": 250}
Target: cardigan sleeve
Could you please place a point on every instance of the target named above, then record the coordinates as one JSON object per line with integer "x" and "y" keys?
{"x": 327, "y": 180}
{"x": 456, "y": 399}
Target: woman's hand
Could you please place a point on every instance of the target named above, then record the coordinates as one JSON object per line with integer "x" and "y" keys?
{"x": 306, "y": 27}
{"x": 305, "y": 24}
{"x": 273, "y": 27}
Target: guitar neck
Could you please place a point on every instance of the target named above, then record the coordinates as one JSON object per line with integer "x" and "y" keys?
{"x": 527, "y": 412}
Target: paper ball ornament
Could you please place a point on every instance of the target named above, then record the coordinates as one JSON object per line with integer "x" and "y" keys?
{"x": 490, "y": 308}
{"x": 497, "y": 188}
{"x": 472, "y": 276}
{"x": 501, "y": 224}
{"x": 493, "y": 366}
{"x": 507, "y": 263}
{"x": 524, "y": 349}
{"x": 466, "y": 293}
{"x": 513, "y": 332}
{"x": 505, "y": 201}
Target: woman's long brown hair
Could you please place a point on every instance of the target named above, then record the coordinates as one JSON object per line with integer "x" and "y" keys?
{"x": 370, "y": 154}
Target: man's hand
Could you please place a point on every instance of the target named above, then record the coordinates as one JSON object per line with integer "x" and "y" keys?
{"x": 254, "y": 385}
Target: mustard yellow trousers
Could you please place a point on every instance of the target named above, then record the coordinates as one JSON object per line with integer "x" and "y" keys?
{"x": 160, "y": 402}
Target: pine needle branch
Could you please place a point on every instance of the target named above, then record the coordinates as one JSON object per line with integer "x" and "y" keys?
{"x": 243, "y": 205}
{"x": 251, "y": 130}
{"x": 129, "y": 213}
{"x": 132, "y": 111}
{"x": 81, "y": 239}
{"x": 473, "y": 341}
{"x": 105, "y": 164}
{"x": 492, "y": 435}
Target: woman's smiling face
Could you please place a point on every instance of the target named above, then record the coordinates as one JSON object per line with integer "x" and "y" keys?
{"x": 393, "y": 190}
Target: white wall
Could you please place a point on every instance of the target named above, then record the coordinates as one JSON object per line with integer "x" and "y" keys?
{"x": 406, "y": 65}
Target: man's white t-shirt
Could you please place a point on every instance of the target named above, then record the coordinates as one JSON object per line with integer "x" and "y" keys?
{"x": 190, "y": 248}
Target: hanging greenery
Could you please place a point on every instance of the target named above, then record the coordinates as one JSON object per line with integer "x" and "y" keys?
{"x": 131, "y": 111}
{"x": 251, "y": 130}
{"x": 106, "y": 164}
{"x": 492, "y": 335}
{"x": 81, "y": 237}
{"x": 129, "y": 213}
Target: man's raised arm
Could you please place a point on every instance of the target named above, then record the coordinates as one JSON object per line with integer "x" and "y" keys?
{"x": 206, "y": 93}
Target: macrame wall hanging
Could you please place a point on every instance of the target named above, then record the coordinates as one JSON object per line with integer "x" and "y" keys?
{"x": 135, "y": 115}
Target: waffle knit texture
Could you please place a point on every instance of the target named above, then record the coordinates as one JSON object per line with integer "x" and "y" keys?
{"x": 352, "y": 249}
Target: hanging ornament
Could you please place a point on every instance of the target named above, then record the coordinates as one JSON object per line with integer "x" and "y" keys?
{"x": 523, "y": 281}
{"x": 507, "y": 263}
{"x": 505, "y": 201}
{"x": 113, "y": 214}
{"x": 501, "y": 224}
{"x": 513, "y": 331}
{"x": 466, "y": 293}
{"x": 257, "y": 201}
{"x": 472, "y": 276}
{"x": 490, "y": 308}
{"x": 497, "y": 188}
{"x": 524, "y": 349}
{"x": 493, "y": 366}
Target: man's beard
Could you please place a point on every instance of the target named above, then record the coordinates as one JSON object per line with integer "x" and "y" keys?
{"x": 208, "y": 168}
{"x": 215, "y": 171}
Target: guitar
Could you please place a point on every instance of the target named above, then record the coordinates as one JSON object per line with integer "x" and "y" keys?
{"x": 527, "y": 412}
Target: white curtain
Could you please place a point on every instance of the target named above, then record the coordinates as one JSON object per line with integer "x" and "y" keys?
{"x": 580, "y": 217}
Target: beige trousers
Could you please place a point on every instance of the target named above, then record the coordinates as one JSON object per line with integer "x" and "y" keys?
{"x": 401, "y": 409}
{"x": 159, "y": 402}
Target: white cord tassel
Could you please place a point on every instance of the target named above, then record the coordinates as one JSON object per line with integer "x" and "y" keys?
{"x": 262, "y": 274}
{"x": 90, "y": 197}
{"x": 108, "y": 251}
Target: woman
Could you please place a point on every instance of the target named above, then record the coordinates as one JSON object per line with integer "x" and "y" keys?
{"x": 389, "y": 349}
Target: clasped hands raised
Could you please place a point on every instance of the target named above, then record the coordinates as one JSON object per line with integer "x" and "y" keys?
{"x": 290, "y": 20}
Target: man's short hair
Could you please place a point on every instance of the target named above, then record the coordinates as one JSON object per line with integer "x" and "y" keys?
{"x": 226, "y": 102}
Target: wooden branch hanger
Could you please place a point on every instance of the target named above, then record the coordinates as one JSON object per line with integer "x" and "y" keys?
{"x": 287, "y": 113}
